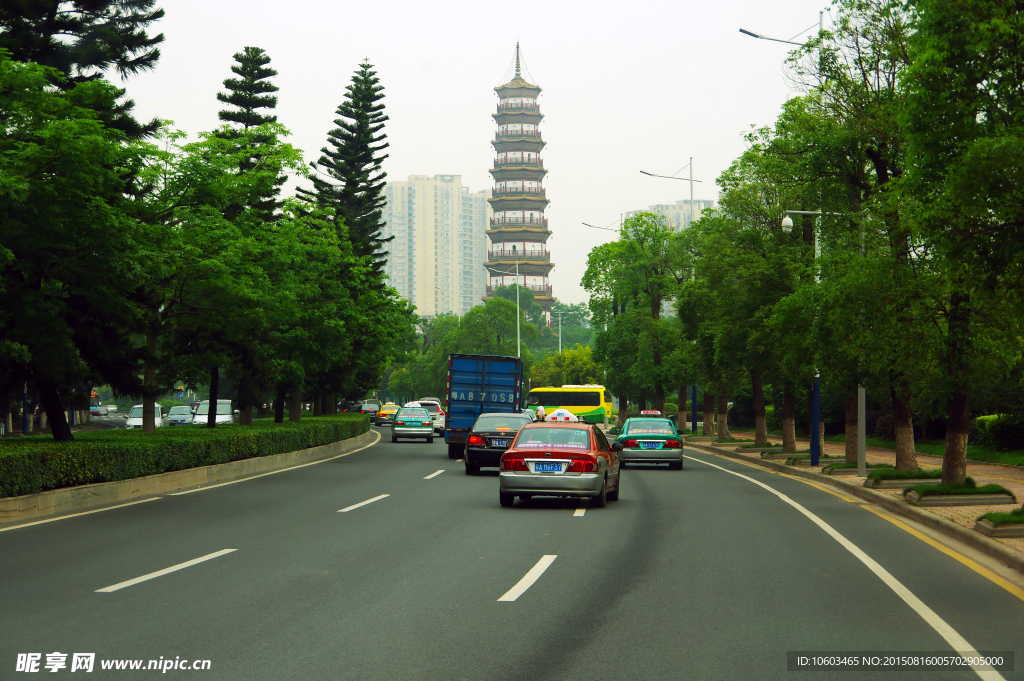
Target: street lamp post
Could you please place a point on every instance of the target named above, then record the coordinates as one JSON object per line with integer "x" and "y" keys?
{"x": 519, "y": 312}
{"x": 685, "y": 179}
{"x": 559, "y": 313}
{"x": 787, "y": 227}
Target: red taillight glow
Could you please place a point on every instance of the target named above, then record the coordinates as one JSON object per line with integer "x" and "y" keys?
{"x": 514, "y": 465}
{"x": 582, "y": 467}
{"x": 673, "y": 444}
{"x": 399, "y": 423}
{"x": 630, "y": 443}
{"x": 477, "y": 440}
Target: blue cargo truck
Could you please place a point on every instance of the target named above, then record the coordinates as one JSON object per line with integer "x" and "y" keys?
{"x": 479, "y": 384}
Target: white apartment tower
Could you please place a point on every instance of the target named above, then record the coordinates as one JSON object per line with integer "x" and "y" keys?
{"x": 440, "y": 228}
{"x": 676, "y": 215}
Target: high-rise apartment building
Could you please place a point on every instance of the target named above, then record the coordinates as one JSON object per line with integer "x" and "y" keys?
{"x": 677, "y": 215}
{"x": 440, "y": 228}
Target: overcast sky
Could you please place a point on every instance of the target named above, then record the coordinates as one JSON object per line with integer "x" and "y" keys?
{"x": 628, "y": 86}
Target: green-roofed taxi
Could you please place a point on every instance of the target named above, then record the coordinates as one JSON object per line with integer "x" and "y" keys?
{"x": 648, "y": 439}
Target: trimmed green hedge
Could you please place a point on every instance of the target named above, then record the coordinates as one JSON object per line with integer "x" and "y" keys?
{"x": 34, "y": 464}
{"x": 967, "y": 487}
{"x": 891, "y": 473}
{"x": 1012, "y": 518}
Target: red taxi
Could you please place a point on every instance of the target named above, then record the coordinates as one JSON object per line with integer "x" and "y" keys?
{"x": 561, "y": 460}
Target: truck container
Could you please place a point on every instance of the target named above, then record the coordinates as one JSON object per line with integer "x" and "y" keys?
{"x": 479, "y": 384}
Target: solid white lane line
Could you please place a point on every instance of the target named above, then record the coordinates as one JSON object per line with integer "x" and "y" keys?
{"x": 363, "y": 503}
{"x": 578, "y": 513}
{"x": 75, "y": 515}
{"x": 955, "y": 640}
{"x": 161, "y": 573}
{"x": 527, "y": 581}
{"x": 434, "y": 474}
{"x": 282, "y": 470}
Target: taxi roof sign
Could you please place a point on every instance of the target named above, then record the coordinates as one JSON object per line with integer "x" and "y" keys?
{"x": 650, "y": 412}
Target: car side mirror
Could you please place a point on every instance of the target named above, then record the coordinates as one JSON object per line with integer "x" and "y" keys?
{"x": 613, "y": 431}
{"x": 126, "y": 417}
{"x": 237, "y": 412}
{"x": 616, "y": 446}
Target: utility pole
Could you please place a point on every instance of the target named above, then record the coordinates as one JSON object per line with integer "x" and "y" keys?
{"x": 559, "y": 313}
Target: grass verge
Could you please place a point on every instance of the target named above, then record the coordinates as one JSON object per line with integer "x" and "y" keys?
{"x": 34, "y": 464}
{"x": 891, "y": 473}
{"x": 1011, "y": 518}
{"x": 734, "y": 439}
{"x": 968, "y": 486}
{"x": 847, "y": 464}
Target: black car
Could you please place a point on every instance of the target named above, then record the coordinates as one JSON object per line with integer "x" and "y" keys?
{"x": 369, "y": 409}
{"x": 348, "y": 405}
{"x": 489, "y": 437}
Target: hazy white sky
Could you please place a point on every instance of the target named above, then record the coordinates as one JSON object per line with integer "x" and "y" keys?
{"x": 628, "y": 86}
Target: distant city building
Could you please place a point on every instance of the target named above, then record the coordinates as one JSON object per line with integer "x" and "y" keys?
{"x": 678, "y": 214}
{"x": 518, "y": 230}
{"x": 440, "y": 228}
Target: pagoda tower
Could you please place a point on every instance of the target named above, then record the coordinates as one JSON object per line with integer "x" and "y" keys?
{"x": 518, "y": 230}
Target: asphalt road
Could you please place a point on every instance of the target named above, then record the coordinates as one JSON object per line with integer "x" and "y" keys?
{"x": 693, "y": 574}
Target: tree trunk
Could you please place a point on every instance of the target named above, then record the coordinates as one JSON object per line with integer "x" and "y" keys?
{"x": 709, "y": 413}
{"x": 954, "y": 456}
{"x": 788, "y": 420}
{"x": 279, "y": 404}
{"x": 149, "y": 389}
{"x": 681, "y": 402}
{"x": 903, "y": 419}
{"x": 54, "y": 412}
{"x": 760, "y": 424}
{"x": 295, "y": 406}
{"x": 851, "y": 427}
{"x": 317, "y": 405}
{"x": 723, "y": 414}
{"x": 244, "y": 408}
{"x": 620, "y": 418}
{"x": 211, "y": 413}
{"x": 642, "y": 402}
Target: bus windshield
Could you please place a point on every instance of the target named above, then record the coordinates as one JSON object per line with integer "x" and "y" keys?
{"x": 565, "y": 398}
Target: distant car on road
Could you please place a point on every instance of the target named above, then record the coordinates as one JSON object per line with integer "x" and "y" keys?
{"x": 412, "y": 422}
{"x": 179, "y": 416}
{"x": 134, "y": 417}
{"x": 437, "y": 415}
{"x": 111, "y": 408}
{"x": 348, "y": 405}
{"x": 648, "y": 439}
{"x": 386, "y": 414}
{"x": 223, "y": 415}
{"x": 489, "y": 437}
{"x": 561, "y": 460}
{"x": 369, "y": 409}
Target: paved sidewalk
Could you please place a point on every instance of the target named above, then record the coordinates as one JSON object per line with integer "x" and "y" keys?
{"x": 983, "y": 473}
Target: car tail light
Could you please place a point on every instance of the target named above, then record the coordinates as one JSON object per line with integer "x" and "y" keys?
{"x": 673, "y": 444}
{"x": 514, "y": 465}
{"x": 630, "y": 443}
{"x": 399, "y": 423}
{"x": 582, "y": 467}
{"x": 477, "y": 440}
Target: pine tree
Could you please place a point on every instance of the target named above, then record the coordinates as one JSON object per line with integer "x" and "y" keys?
{"x": 353, "y": 158}
{"x": 247, "y": 95}
{"x": 84, "y": 40}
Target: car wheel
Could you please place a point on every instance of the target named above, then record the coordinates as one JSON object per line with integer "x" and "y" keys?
{"x": 454, "y": 451}
{"x": 506, "y": 499}
{"x": 526, "y": 497}
{"x": 430, "y": 439}
{"x": 394, "y": 438}
{"x": 676, "y": 465}
{"x": 472, "y": 467}
{"x": 614, "y": 496}
{"x": 601, "y": 498}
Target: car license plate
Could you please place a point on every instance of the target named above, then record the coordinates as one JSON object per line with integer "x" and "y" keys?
{"x": 650, "y": 445}
{"x": 414, "y": 423}
{"x": 545, "y": 467}
{"x": 499, "y": 443}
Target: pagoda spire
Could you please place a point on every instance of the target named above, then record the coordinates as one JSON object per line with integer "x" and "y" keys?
{"x": 518, "y": 74}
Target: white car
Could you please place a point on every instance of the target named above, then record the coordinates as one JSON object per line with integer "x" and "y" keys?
{"x": 437, "y": 415}
{"x": 224, "y": 413}
{"x": 111, "y": 408}
{"x": 134, "y": 418}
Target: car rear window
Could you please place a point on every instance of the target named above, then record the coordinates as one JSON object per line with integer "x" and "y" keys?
{"x": 431, "y": 407}
{"x": 500, "y": 422}
{"x": 177, "y": 411}
{"x": 547, "y": 437}
{"x": 370, "y": 407}
{"x": 413, "y": 411}
{"x": 650, "y": 427}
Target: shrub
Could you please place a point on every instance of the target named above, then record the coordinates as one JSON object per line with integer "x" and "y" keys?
{"x": 772, "y": 417}
{"x": 34, "y": 464}
{"x": 885, "y": 427}
{"x": 671, "y": 408}
{"x": 1000, "y": 432}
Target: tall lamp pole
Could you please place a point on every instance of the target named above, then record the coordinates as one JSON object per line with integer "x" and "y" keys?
{"x": 559, "y": 313}
{"x": 685, "y": 179}
{"x": 519, "y": 312}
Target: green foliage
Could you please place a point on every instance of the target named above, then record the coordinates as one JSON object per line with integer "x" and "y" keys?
{"x": 889, "y": 473}
{"x": 1012, "y": 518}
{"x": 34, "y": 464}
{"x": 967, "y": 487}
{"x": 1001, "y": 432}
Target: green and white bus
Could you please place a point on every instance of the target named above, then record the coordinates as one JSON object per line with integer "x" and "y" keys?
{"x": 590, "y": 403}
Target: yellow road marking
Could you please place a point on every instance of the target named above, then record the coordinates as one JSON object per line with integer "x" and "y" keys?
{"x": 988, "y": 574}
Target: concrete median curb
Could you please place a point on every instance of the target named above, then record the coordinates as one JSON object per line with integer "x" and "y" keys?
{"x": 972, "y": 538}
{"x": 66, "y": 500}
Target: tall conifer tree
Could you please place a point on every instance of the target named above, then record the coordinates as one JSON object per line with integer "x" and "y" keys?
{"x": 353, "y": 160}
{"x": 247, "y": 95}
